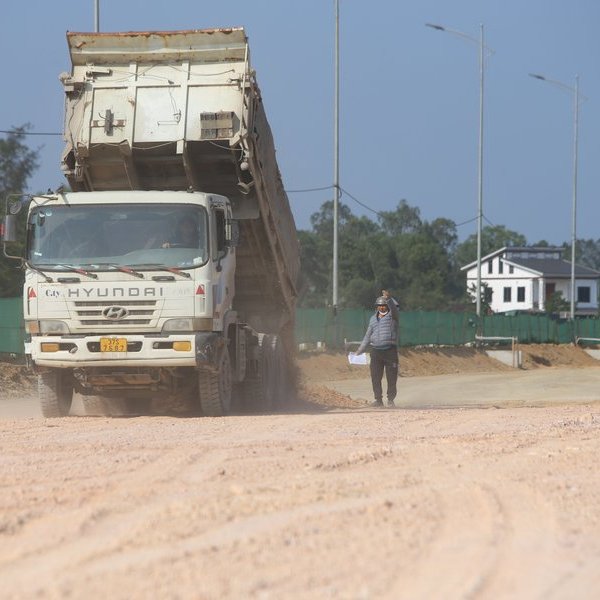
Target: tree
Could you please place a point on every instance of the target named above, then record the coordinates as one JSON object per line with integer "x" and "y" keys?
{"x": 492, "y": 238}
{"x": 556, "y": 304}
{"x": 315, "y": 272}
{"x": 401, "y": 252}
{"x": 322, "y": 221}
{"x": 587, "y": 253}
{"x": 486, "y": 297}
{"x": 17, "y": 164}
{"x": 405, "y": 219}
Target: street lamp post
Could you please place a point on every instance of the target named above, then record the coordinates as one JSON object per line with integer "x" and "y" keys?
{"x": 336, "y": 157}
{"x": 96, "y": 16}
{"x": 482, "y": 46}
{"x": 575, "y": 92}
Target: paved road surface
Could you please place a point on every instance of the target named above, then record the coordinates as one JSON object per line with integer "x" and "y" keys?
{"x": 538, "y": 387}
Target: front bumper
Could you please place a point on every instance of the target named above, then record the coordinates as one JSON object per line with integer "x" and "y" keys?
{"x": 142, "y": 351}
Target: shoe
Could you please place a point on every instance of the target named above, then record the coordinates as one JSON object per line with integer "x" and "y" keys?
{"x": 390, "y": 404}
{"x": 376, "y": 404}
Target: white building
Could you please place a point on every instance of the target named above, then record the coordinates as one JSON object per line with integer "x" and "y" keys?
{"x": 524, "y": 278}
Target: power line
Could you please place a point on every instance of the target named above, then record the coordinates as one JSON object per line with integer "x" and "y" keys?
{"x": 488, "y": 221}
{"x": 299, "y": 191}
{"x": 465, "y": 222}
{"x": 360, "y": 203}
{"x": 19, "y": 132}
{"x": 316, "y": 189}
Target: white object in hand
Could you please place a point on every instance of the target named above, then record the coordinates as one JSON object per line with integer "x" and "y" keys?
{"x": 357, "y": 359}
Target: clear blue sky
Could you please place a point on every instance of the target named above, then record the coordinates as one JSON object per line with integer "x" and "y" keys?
{"x": 409, "y": 106}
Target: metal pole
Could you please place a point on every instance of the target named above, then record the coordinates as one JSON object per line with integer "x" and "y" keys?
{"x": 574, "y": 215}
{"x": 96, "y": 16}
{"x": 336, "y": 156}
{"x": 480, "y": 172}
{"x": 482, "y": 49}
{"x": 575, "y": 91}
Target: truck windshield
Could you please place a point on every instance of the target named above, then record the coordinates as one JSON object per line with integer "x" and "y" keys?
{"x": 117, "y": 234}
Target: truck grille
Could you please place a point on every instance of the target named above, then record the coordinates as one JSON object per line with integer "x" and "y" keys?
{"x": 139, "y": 312}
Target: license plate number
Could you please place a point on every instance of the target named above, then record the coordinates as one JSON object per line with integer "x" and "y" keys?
{"x": 113, "y": 345}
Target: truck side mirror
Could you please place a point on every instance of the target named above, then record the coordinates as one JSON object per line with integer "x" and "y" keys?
{"x": 232, "y": 233}
{"x": 9, "y": 229}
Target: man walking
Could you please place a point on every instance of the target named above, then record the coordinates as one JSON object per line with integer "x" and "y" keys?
{"x": 382, "y": 339}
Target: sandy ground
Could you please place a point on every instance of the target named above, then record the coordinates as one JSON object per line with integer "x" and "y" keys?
{"x": 483, "y": 484}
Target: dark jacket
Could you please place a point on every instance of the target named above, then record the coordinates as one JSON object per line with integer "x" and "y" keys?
{"x": 382, "y": 332}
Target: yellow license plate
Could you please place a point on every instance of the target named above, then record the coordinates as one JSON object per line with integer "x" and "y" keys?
{"x": 113, "y": 345}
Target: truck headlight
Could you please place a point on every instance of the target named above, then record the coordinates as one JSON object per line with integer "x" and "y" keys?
{"x": 188, "y": 324}
{"x": 53, "y": 327}
{"x": 32, "y": 327}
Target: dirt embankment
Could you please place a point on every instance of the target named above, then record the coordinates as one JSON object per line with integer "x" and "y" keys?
{"x": 415, "y": 362}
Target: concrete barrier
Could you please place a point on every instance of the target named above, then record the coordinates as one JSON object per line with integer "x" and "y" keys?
{"x": 507, "y": 357}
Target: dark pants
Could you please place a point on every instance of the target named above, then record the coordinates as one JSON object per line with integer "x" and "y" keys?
{"x": 388, "y": 360}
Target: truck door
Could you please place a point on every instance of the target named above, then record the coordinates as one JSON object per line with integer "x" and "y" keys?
{"x": 223, "y": 260}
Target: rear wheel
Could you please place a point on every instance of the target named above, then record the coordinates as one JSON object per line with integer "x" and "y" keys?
{"x": 55, "y": 391}
{"x": 276, "y": 371}
{"x": 264, "y": 388}
{"x": 214, "y": 388}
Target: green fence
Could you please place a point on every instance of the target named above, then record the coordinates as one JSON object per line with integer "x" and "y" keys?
{"x": 416, "y": 328}
{"x": 441, "y": 328}
{"x": 12, "y": 332}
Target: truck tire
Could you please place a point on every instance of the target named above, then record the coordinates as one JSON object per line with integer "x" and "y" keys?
{"x": 264, "y": 389}
{"x": 55, "y": 391}
{"x": 277, "y": 371}
{"x": 255, "y": 393}
{"x": 214, "y": 388}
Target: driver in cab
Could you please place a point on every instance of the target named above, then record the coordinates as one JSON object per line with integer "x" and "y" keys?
{"x": 186, "y": 235}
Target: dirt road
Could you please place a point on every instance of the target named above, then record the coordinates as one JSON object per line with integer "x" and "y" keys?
{"x": 357, "y": 503}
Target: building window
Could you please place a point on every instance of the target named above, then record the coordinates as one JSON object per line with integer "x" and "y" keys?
{"x": 490, "y": 267}
{"x": 520, "y": 294}
{"x": 507, "y": 294}
{"x": 500, "y": 267}
{"x": 511, "y": 269}
{"x": 583, "y": 294}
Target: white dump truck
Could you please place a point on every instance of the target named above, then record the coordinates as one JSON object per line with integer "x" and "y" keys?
{"x": 167, "y": 275}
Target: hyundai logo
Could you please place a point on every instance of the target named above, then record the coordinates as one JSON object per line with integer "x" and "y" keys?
{"x": 115, "y": 313}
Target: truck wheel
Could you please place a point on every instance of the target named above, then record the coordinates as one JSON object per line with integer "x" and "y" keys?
{"x": 278, "y": 371}
{"x": 255, "y": 392}
{"x": 264, "y": 388}
{"x": 55, "y": 391}
{"x": 214, "y": 389}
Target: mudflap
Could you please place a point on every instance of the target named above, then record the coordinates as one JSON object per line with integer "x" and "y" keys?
{"x": 209, "y": 350}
